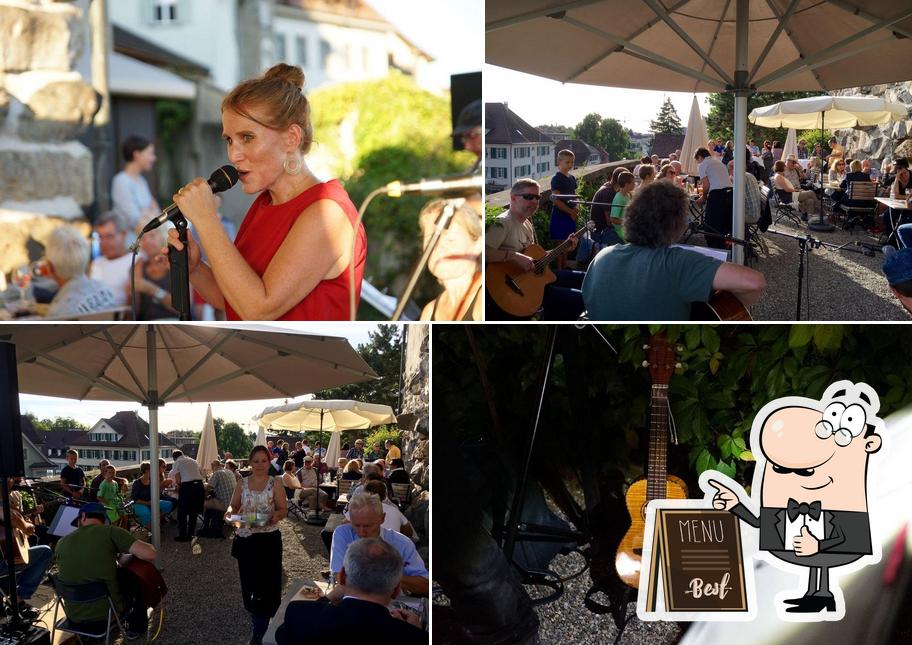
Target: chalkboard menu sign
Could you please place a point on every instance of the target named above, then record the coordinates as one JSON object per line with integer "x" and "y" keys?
{"x": 697, "y": 553}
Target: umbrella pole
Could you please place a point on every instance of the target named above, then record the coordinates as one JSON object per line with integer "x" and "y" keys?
{"x": 317, "y": 518}
{"x": 741, "y": 92}
{"x": 153, "y": 404}
{"x": 820, "y": 225}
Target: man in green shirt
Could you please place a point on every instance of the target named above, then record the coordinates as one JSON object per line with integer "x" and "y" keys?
{"x": 90, "y": 553}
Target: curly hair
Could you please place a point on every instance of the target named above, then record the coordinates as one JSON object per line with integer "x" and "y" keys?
{"x": 656, "y": 217}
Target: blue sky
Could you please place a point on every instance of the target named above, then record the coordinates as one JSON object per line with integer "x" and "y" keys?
{"x": 174, "y": 416}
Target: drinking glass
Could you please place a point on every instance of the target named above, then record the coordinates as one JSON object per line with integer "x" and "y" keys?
{"x": 22, "y": 277}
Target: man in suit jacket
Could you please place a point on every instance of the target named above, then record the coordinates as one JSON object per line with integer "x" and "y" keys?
{"x": 813, "y": 504}
{"x": 371, "y": 573}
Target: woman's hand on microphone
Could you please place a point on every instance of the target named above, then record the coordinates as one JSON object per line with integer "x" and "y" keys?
{"x": 197, "y": 203}
{"x": 193, "y": 254}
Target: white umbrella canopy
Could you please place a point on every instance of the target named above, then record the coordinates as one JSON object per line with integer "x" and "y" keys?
{"x": 261, "y": 437}
{"x": 325, "y": 415}
{"x": 695, "y": 137}
{"x": 816, "y": 112}
{"x": 154, "y": 364}
{"x": 790, "y": 147}
{"x": 733, "y": 46}
{"x": 208, "y": 446}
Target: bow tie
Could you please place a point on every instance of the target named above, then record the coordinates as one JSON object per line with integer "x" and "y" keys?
{"x": 794, "y": 509}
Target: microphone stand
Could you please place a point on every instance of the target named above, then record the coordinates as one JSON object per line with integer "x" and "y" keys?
{"x": 180, "y": 273}
{"x": 442, "y": 224}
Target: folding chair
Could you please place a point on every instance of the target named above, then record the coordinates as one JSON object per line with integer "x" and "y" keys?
{"x": 402, "y": 494}
{"x": 344, "y": 487}
{"x": 79, "y": 594}
{"x": 784, "y": 207}
{"x": 859, "y": 201}
{"x": 296, "y": 508}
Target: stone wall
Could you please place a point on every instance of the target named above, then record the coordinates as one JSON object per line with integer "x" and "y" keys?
{"x": 46, "y": 176}
{"x": 878, "y": 142}
{"x": 415, "y": 407}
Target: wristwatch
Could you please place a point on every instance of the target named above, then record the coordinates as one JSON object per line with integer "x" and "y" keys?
{"x": 159, "y": 295}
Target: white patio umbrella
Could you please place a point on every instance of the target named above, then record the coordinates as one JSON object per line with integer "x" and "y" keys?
{"x": 208, "y": 446}
{"x": 695, "y": 137}
{"x": 155, "y": 364}
{"x": 334, "y": 449}
{"x": 734, "y": 46}
{"x": 261, "y": 437}
{"x": 827, "y": 112}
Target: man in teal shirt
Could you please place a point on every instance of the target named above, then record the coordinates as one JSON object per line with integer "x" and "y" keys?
{"x": 647, "y": 279}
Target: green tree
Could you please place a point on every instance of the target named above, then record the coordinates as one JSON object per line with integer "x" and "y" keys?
{"x": 588, "y": 128}
{"x": 62, "y": 424}
{"x": 721, "y": 116}
{"x": 667, "y": 120}
{"x": 613, "y": 137}
{"x": 371, "y": 133}
{"x": 230, "y": 437}
{"x": 39, "y": 424}
{"x": 383, "y": 353}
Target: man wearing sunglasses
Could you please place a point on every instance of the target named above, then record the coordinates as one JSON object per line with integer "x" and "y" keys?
{"x": 812, "y": 464}
{"x": 509, "y": 235}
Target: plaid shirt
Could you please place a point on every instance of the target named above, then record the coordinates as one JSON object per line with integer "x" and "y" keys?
{"x": 753, "y": 199}
{"x": 222, "y": 482}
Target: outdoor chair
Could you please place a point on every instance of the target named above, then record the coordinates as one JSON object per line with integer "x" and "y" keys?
{"x": 402, "y": 494}
{"x": 859, "y": 204}
{"x": 343, "y": 490}
{"x": 298, "y": 509}
{"x": 117, "y": 313}
{"x": 84, "y": 593}
{"x": 784, "y": 207}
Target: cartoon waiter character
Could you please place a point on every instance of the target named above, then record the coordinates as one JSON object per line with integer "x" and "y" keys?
{"x": 811, "y": 472}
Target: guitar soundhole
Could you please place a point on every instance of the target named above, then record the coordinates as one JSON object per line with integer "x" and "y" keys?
{"x": 638, "y": 552}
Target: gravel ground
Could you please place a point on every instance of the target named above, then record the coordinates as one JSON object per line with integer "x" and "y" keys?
{"x": 203, "y": 605}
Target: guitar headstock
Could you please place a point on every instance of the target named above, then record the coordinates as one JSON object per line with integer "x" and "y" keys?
{"x": 661, "y": 359}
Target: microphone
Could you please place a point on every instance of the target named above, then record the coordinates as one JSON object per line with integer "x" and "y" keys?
{"x": 567, "y": 198}
{"x": 220, "y": 180}
{"x": 463, "y": 185}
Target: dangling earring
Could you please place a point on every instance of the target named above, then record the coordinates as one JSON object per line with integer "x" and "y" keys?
{"x": 293, "y": 163}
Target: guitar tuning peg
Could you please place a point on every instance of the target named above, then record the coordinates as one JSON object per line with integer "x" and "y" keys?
{"x": 679, "y": 348}
{"x": 646, "y": 347}
{"x": 645, "y": 363}
{"x": 679, "y": 366}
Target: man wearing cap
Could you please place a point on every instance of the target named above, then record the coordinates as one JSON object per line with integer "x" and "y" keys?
{"x": 310, "y": 484}
{"x": 468, "y": 129}
{"x": 90, "y": 553}
{"x": 190, "y": 494}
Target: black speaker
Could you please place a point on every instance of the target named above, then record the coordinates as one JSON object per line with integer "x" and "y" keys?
{"x": 12, "y": 463}
{"x": 464, "y": 88}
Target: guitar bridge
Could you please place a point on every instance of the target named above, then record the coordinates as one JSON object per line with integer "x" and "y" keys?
{"x": 513, "y": 286}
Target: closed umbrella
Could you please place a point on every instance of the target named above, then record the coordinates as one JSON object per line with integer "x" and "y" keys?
{"x": 163, "y": 363}
{"x": 261, "y": 437}
{"x": 208, "y": 447}
{"x": 734, "y": 46}
{"x": 791, "y": 144}
{"x": 695, "y": 138}
{"x": 333, "y": 450}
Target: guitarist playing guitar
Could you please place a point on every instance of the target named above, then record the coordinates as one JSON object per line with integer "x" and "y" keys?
{"x": 31, "y": 563}
{"x": 518, "y": 265}
{"x": 657, "y": 484}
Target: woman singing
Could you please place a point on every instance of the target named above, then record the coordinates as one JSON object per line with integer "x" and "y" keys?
{"x": 291, "y": 257}
{"x": 258, "y": 549}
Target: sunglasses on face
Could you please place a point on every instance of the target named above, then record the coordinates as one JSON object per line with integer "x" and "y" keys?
{"x": 528, "y": 196}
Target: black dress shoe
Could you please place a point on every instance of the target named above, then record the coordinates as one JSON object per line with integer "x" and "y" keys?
{"x": 796, "y": 601}
{"x": 813, "y": 604}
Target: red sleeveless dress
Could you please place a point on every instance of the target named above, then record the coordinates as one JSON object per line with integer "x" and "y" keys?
{"x": 264, "y": 229}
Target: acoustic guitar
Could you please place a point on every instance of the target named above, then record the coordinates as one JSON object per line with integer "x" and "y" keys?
{"x": 20, "y": 544}
{"x": 149, "y": 580}
{"x": 521, "y": 293}
{"x": 722, "y": 306}
{"x": 657, "y": 484}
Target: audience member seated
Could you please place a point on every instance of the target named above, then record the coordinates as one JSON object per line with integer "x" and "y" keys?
{"x": 376, "y": 452}
{"x": 290, "y": 481}
{"x": 89, "y": 554}
{"x": 856, "y": 174}
{"x": 836, "y": 174}
{"x": 231, "y": 466}
{"x": 647, "y": 279}
{"x": 813, "y": 171}
{"x": 647, "y": 175}
{"x": 112, "y": 267}
{"x": 366, "y": 513}
{"x": 352, "y": 470}
{"x": 310, "y": 489}
{"x": 787, "y": 191}
{"x": 897, "y": 267}
{"x": 899, "y": 189}
{"x": 153, "y": 277}
{"x": 604, "y": 232}
{"x": 221, "y": 483}
{"x": 67, "y": 253}
{"x": 398, "y": 474}
{"x": 141, "y": 495}
{"x": 371, "y": 574}
{"x": 393, "y": 518}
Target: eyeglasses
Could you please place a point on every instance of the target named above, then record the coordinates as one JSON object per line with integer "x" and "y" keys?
{"x": 528, "y": 196}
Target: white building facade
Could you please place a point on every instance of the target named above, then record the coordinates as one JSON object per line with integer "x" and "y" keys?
{"x": 507, "y": 162}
